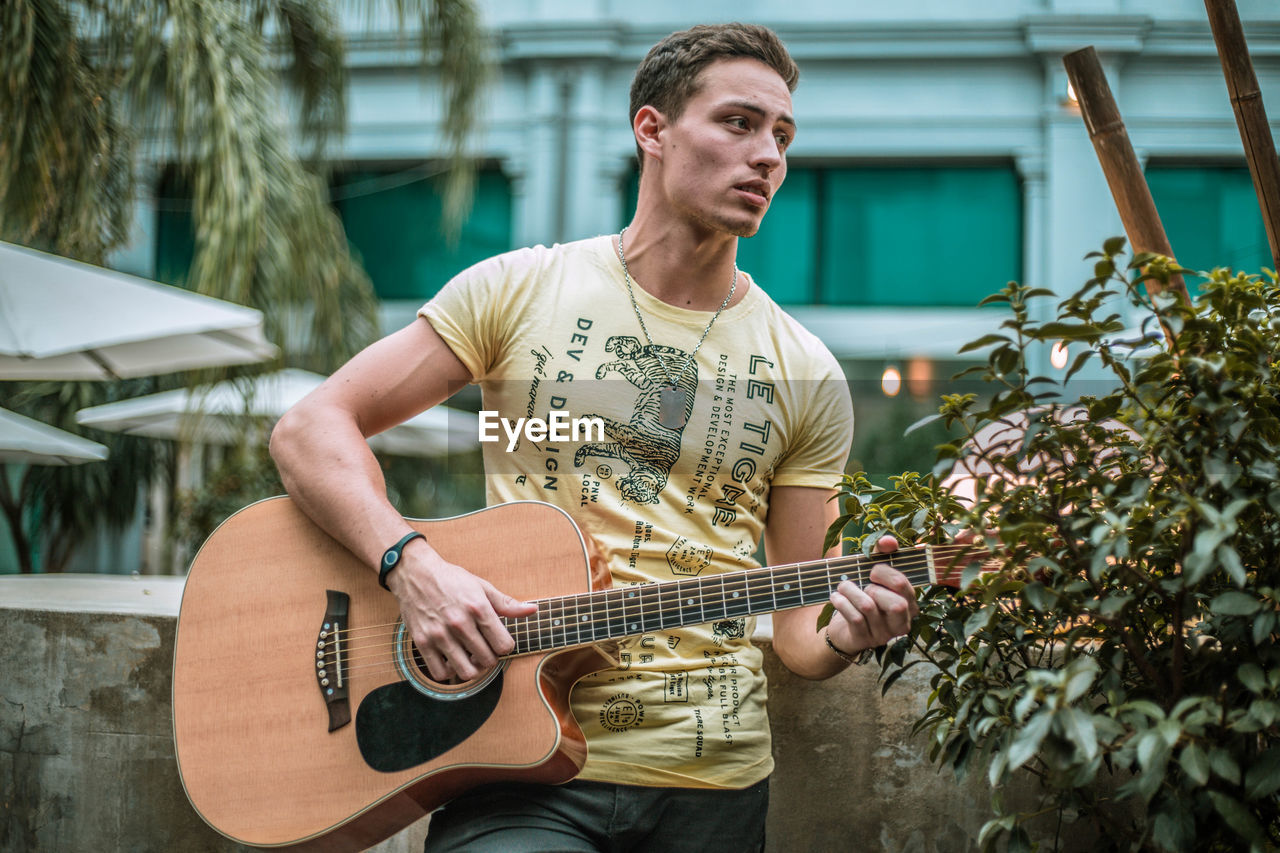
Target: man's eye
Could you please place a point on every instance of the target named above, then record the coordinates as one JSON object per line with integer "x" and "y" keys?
{"x": 783, "y": 140}
{"x": 740, "y": 123}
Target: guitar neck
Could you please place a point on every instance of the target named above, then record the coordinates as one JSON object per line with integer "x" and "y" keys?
{"x": 608, "y": 614}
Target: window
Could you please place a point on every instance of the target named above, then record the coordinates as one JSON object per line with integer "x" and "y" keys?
{"x": 1211, "y": 215}
{"x": 888, "y": 235}
{"x": 392, "y": 220}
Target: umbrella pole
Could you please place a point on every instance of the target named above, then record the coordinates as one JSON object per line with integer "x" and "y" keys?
{"x": 1251, "y": 115}
{"x": 1120, "y": 164}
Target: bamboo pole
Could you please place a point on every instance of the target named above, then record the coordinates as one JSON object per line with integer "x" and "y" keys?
{"x": 1251, "y": 115}
{"x": 1120, "y": 164}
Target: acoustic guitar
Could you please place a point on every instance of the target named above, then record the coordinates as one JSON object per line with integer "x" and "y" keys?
{"x": 304, "y": 719}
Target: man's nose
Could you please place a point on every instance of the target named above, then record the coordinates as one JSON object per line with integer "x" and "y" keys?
{"x": 767, "y": 154}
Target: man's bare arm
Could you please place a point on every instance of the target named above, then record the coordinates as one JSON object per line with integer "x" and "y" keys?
{"x": 864, "y": 618}
{"x": 326, "y": 465}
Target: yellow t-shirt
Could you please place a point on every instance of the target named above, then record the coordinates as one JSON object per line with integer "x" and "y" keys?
{"x": 545, "y": 330}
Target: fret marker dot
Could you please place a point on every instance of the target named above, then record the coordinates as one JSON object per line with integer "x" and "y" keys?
{"x": 844, "y": 577}
{"x": 689, "y": 601}
{"x": 735, "y": 595}
{"x": 634, "y": 626}
{"x": 555, "y": 621}
{"x": 584, "y": 618}
{"x": 786, "y": 586}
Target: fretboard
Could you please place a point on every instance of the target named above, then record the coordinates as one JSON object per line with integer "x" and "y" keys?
{"x": 607, "y": 614}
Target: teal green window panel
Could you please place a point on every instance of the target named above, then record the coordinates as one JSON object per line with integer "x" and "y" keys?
{"x": 396, "y": 229}
{"x": 910, "y": 235}
{"x": 782, "y": 256}
{"x": 175, "y": 230}
{"x": 393, "y": 224}
{"x": 1211, "y": 216}
{"x": 918, "y": 235}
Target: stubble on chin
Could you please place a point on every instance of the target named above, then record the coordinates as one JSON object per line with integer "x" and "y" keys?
{"x": 730, "y": 226}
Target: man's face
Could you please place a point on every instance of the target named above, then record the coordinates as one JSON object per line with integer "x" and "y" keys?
{"x": 725, "y": 157}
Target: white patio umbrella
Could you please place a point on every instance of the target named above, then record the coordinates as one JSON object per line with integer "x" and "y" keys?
{"x": 65, "y": 320}
{"x": 23, "y": 440}
{"x": 218, "y": 414}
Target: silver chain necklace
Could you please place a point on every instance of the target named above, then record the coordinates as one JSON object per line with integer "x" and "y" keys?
{"x": 672, "y": 398}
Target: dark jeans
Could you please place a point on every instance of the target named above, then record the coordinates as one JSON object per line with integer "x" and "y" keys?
{"x": 595, "y": 817}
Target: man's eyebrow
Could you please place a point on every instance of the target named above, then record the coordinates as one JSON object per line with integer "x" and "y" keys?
{"x": 785, "y": 118}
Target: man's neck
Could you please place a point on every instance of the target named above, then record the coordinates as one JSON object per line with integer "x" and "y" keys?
{"x": 681, "y": 266}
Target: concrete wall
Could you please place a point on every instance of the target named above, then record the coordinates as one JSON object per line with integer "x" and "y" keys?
{"x": 87, "y": 762}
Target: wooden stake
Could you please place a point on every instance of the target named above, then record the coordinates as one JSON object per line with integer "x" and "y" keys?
{"x": 1120, "y": 164}
{"x": 1251, "y": 116}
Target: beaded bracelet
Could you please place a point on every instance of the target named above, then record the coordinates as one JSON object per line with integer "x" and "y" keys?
{"x": 857, "y": 659}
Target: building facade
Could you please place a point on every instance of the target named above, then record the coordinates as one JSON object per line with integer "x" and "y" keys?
{"x": 939, "y": 154}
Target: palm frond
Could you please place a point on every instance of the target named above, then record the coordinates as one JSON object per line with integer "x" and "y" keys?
{"x": 66, "y": 177}
{"x": 316, "y": 70}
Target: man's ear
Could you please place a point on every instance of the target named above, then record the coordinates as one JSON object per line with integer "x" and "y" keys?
{"x": 648, "y": 126}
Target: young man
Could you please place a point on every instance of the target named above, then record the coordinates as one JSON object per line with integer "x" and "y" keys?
{"x": 724, "y": 420}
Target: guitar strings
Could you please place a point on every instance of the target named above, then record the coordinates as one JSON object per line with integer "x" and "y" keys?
{"x": 672, "y": 590}
{"x": 812, "y": 577}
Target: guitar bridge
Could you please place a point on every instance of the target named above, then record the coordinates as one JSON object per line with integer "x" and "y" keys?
{"x": 332, "y": 659}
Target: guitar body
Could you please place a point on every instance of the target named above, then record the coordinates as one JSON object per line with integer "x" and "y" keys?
{"x": 270, "y": 758}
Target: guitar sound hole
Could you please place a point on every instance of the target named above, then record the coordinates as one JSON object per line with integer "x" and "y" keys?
{"x": 420, "y": 664}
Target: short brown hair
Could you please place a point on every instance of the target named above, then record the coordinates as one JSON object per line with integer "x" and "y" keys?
{"x": 668, "y": 76}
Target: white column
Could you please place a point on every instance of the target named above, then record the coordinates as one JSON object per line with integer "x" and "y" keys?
{"x": 595, "y": 174}
{"x": 1035, "y": 239}
{"x": 535, "y": 213}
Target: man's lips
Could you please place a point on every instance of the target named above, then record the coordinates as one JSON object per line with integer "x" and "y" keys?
{"x": 755, "y": 191}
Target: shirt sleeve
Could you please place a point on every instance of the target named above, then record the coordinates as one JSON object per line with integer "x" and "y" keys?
{"x": 820, "y": 451}
{"x": 476, "y": 312}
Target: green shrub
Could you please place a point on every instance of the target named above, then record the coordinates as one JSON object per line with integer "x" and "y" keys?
{"x": 1124, "y": 647}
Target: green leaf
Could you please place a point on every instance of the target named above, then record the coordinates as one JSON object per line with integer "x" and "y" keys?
{"x": 923, "y": 422}
{"x": 1252, "y": 677}
{"x": 1230, "y": 560}
{"x": 1081, "y": 675}
{"x": 1079, "y": 362}
{"x": 1238, "y": 817}
{"x": 1262, "y": 779}
{"x": 1019, "y": 841}
{"x": 1077, "y": 727}
{"x": 1038, "y": 596}
{"x": 978, "y": 621}
{"x": 1234, "y": 603}
{"x": 1026, "y": 740}
{"x": 1174, "y": 828}
{"x": 1150, "y": 745}
{"x": 1070, "y": 331}
{"x": 1224, "y": 765}
{"x": 985, "y": 340}
{"x": 1195, "y": 763}
{"x": 992, "y": 829}
{"x": 1263, "y": 625}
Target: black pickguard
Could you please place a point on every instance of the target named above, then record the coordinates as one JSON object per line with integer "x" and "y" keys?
{"x": 398, "y": 727}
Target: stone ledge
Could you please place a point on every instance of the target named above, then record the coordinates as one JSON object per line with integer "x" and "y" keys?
{"x": 153, "y": 595}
